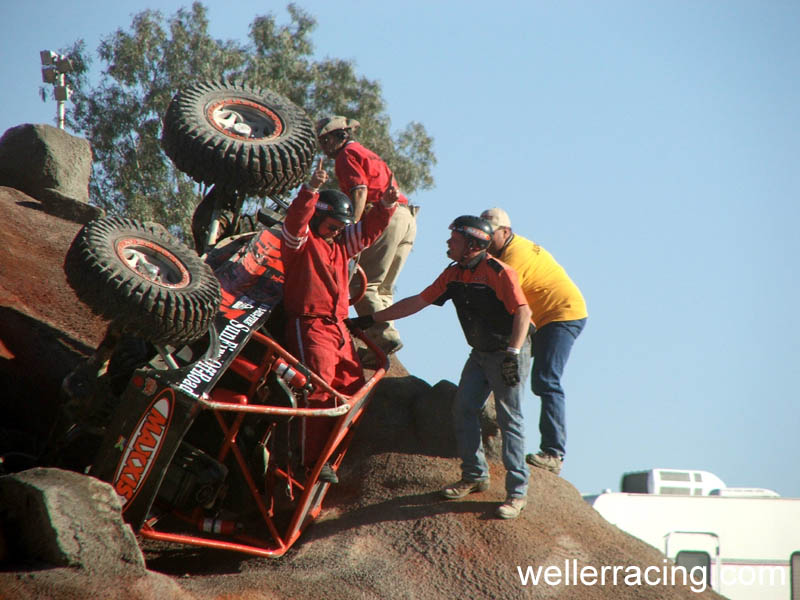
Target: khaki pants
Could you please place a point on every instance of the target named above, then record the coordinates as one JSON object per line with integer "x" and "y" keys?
{"x": 382, "y": 263}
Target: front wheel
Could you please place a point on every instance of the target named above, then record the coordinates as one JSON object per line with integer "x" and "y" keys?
{"x": 142, "y": 279}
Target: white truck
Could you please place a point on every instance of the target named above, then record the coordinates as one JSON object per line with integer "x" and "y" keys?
{"x": 746, "y": 540}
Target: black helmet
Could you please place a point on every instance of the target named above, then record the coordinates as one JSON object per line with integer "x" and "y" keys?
{"x": 477, "y": 230}
{"x": 333, "y": 203}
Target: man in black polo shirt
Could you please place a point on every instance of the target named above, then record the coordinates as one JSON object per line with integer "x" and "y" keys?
{"x": 495, "y": 318}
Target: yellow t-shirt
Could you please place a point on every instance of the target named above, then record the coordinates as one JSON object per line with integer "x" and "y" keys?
{"x": 551, "y": 294}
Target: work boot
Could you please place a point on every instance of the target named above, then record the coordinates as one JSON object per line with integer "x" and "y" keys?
{"x": 511, "y": 508}
{"x": 368, "y": 359}
{"x": 328, "y": 475}
{"x": 390, "y": 346}
{"x": 386, "y": 338}
{"x": 463, "y": 488}
{"x": 550, "y": 462}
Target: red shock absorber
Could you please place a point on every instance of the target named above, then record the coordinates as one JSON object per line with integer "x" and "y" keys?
{"x": 289, "y": 374}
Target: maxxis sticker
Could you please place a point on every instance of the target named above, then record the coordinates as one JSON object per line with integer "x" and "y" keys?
{"x": 143, "y": 447}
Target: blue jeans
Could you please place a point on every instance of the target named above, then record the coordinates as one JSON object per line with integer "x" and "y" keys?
{"x": 551, "y": 347}
{"x": 481, "y": 375}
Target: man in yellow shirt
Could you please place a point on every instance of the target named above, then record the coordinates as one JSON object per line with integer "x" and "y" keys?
{"x": 559, "y": 314}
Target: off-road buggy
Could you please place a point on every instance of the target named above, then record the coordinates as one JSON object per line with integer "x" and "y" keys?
{"x": 190, "y": 407}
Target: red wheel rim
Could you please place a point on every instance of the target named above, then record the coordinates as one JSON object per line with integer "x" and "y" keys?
{"x": 244, "y": 120}
{"x": 152, "y": 262}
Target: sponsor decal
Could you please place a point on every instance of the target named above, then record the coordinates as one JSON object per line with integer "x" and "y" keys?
{"x": 143, "y": 447}
{"x": 203, "y": 371}
{"x": 236, "y": 308}
{"x": 231, "y": 338}
{"x": 232, "y": 334}
{"x": 243, "y": 303}
{"x": 475, "y": 232}
{"x": 251, "y": 319}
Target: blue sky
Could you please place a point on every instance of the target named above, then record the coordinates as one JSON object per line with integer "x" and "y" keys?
{"x": 652, "y": 147}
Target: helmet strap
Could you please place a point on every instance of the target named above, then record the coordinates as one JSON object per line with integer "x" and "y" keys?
{"x": 472, "y": 261}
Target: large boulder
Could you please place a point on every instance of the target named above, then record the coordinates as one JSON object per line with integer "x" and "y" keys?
{"x": 66, "y": 519}
{"x": 434, "y": 407}
{"x": 416, "y": 418}
{"x": 50, "y": 165}
{"x": 67, "y": 529}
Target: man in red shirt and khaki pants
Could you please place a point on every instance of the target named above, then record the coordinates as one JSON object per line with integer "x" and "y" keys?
{"x": 364, "y": 176}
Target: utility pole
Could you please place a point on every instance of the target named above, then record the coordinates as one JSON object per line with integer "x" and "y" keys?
{"x": 54, "y": 69}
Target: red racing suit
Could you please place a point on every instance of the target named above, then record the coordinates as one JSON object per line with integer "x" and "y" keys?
{"x": 316, "y": 300}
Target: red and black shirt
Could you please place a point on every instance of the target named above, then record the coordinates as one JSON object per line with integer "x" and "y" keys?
{"x": 486, "y": 298}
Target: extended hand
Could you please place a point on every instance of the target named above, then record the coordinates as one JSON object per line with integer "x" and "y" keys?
{"x": 318, "y": 177}
{"x": 360, "y": 323}
{"x": 510, "y": 369}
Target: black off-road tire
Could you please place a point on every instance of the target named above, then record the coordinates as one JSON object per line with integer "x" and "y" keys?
{"x": 145, "y": 281}
{"x": 239, "y": 138}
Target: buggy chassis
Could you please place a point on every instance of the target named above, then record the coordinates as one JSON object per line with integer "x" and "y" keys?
{"x": 174, "y": 474}
{"x": 230, "y": 411}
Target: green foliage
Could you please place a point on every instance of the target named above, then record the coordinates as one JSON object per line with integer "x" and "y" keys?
{"x": 145, "y": 66}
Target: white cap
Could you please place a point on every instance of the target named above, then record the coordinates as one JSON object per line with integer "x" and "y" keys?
{"x": 497, "y": 217}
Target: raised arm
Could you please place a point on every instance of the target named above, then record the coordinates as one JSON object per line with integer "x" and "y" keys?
{"x": 295, "y": 225}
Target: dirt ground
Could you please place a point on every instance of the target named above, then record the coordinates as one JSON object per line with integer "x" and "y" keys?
{"x": 385, "y": 532}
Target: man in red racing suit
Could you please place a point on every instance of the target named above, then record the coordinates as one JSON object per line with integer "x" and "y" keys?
{"x": 319, "y": 238}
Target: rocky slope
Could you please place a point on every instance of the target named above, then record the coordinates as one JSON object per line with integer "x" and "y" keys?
{"x": 385, "y": 532}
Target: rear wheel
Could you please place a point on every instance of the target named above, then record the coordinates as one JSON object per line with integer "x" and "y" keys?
{"x": 144, "y": 280}
{"x": 239, "y": 138}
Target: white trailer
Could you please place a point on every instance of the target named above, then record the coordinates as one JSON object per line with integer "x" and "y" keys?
{"x": 746, "y": 540}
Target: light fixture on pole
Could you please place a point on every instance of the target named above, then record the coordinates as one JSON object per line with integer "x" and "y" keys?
{"x": 54, "y": 69}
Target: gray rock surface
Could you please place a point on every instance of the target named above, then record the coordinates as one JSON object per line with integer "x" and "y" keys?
{"x": 52, "y": 166}
{"x": 66, "y": 519}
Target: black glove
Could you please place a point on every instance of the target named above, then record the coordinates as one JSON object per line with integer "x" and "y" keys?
{"x": 510, "y": 369}
{"x": 360, "y": 323}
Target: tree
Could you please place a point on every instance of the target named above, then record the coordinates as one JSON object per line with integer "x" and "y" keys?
{"x": 146, "y": 65}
